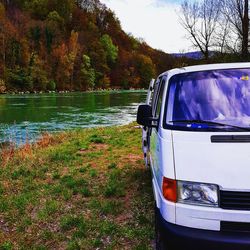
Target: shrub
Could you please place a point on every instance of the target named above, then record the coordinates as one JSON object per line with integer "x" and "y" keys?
{"x": 2, "y": 86}
{"x": 51, "y": 85}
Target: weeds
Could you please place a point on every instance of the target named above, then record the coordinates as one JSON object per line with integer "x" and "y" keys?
{"x": 6, "y": 246}
{"x": 115, "y": 185}
{"x": 112, "y": 165}
{"x": 96, "y": 139}
{"x": 70, "y": 221}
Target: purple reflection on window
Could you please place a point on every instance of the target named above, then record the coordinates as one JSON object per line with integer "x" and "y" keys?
{"x": 219, "y": 95}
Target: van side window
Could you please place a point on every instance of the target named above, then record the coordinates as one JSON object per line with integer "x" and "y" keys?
{"x": 155, "y": 94}
{"x": 159, "y": 101}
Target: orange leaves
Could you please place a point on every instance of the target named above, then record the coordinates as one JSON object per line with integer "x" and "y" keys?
{"x": 63, "y": 51}
{"x": 73, "y": 42}
{"x": 6, "y": 154}
{"x": 64, "y": 57}
{"x": 60, "y": 51}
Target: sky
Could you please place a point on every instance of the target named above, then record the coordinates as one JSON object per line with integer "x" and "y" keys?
{"x": 156, "y": 21}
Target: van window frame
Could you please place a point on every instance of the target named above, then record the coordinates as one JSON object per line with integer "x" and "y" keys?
{"x": 161, "y": 82}
{"x": 155, "y": 94}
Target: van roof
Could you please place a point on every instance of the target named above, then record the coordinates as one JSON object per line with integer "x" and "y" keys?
{"x": 205, "y": 67}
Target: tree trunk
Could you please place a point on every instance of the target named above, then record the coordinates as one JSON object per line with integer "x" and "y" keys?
{"x": 245, "y": 30}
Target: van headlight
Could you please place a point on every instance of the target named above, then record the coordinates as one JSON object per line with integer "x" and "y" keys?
{"x": 198, "y": 193}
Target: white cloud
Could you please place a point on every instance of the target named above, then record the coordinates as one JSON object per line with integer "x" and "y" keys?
{"x": 156, "y": 21}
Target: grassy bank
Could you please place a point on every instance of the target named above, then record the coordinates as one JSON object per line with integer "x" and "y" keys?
{"x": 84, "y": 189}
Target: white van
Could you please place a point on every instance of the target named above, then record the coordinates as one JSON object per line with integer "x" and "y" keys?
{"x": 196, "y": 139}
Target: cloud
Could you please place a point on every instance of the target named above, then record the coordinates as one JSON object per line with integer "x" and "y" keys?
{"x": 156, "y": 21}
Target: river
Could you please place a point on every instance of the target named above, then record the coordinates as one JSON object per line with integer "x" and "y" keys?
{"x": 25, "y": 117}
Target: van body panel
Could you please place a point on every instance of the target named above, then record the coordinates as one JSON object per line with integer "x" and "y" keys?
{"x": 205, "y": 67}
{"x": 167, "y": 154}
{"x": 156, "y": 193}
{"x": 206, "y": 217}
{"x": 168, "y": 210}
{"x": 197, "y": 159}
{"x": 180, "y": 237}
{"x": 162, "y": 155}
{"x": 162, "y": 151}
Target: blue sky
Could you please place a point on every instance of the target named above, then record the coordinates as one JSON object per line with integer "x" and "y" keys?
{"x": 156, "y": 21}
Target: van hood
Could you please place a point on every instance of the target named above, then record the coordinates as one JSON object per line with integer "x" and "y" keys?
{"x": 226, "y": 164}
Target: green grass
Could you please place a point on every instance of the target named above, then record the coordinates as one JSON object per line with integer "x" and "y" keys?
{"x": 85, "y": 189}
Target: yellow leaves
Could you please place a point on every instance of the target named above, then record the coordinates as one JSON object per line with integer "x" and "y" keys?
{"x": 106, "y": 81}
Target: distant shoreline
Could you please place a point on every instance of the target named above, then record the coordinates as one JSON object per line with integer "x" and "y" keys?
{"x": 67, "y": 91}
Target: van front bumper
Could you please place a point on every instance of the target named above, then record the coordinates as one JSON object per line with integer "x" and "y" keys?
{"x": 178, "y": 237}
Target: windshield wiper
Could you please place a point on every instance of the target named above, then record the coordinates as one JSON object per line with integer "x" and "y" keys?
{"x": 210, "y": 123}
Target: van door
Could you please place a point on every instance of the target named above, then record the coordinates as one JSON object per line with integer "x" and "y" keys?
{"x": 154, "y": 139}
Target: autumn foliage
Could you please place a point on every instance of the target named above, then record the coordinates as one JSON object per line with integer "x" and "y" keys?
{"x": 71, "y": 45}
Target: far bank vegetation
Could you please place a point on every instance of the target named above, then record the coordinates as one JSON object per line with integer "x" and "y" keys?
{"x": 60, "y": 45}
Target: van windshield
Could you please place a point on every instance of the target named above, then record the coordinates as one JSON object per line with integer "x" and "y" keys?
{"x": 209, "y": 99}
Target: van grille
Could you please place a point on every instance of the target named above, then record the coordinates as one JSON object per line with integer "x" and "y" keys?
{"x": 235, "y": 200}
{"x": 226, "y": 226}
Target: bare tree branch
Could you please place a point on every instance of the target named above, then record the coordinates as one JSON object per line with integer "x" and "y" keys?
{"x": 200, "y": 20}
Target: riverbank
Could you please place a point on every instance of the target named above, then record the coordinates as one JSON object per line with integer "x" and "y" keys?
{"x": 68, "y": 91}
{"x": 81, "y": 189}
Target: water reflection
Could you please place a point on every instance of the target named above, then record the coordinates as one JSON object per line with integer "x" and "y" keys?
{"x": 29, "y": 115}
{"x": 219, "y": 95}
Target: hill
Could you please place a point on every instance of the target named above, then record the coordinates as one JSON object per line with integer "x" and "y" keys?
{"x": 71, "y": 45}
{"x": 197, "y": 55}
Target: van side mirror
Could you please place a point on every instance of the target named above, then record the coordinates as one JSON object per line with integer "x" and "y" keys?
{"x": 144, "y": 115}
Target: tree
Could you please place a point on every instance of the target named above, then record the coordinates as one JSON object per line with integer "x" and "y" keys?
{"x": 145, "y": 69}
{"x": 64, "y": 62}
{"x": 2, "y": 86}
{"x": 73, "y": 49}
{"x": 2, "y": 37}
{"x": 14, "y": 53}
{"x": 99, "y": 61}
{"x": 63, "y": 7}
{"x": 60, "y": 66}
{"x": 110, "y": 48}
{"x": 38, "y": 8}
{"x": 87, "y": 73}
{"x": 236, "y": 13}
{"x": 200, "y": 20}
{"x": 18, "y": 78}
{"x": 35, "y": 35}
{"x": 38, "y": 75}
{"x": 54, "y": 29}
{"x": 51, "y": 85}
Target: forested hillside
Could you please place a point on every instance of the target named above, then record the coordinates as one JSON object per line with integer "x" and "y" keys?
{"x": 71, "y": 45}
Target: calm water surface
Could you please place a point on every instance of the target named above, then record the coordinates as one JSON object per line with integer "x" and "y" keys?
{"x": 27, "y": 116}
